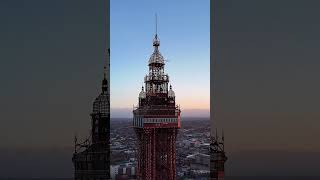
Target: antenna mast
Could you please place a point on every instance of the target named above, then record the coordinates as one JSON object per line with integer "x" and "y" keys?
{"x": 156, "y": 24}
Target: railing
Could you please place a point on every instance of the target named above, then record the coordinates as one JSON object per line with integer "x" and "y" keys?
{"x": 156, "y": 78}
{"x": 143, "y": 121}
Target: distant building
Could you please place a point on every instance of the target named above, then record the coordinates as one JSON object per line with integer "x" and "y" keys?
{"x": 124, "y": 171}
{"x": 114, "y": 171}
{"x": 198, "y": 161}
{"x": 200, "y": 174}
{"x": 91, "y": 158}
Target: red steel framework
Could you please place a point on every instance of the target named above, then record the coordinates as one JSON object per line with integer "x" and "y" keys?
{"x": 156, "y": 122}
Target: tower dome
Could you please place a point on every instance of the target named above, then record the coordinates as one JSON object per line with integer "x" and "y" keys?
{"x": 156, "y": 56}
{"x": 171, "y": 92}
{"x": 101, "y": 104}
{"x": 142, "y": 94}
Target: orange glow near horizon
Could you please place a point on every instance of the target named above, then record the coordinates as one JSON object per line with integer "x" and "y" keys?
{"x": 194, "y": 103}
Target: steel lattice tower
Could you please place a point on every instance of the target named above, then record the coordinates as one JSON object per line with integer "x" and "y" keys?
{"x": 156, "y": 122}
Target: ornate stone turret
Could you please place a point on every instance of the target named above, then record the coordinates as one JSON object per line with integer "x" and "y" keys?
{"x": 171, "y": 92}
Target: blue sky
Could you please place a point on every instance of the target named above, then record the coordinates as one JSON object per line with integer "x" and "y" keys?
{"x": 184, "y": 32}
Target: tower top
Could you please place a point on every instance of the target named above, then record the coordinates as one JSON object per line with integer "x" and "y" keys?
{"x": 156, "y": 57}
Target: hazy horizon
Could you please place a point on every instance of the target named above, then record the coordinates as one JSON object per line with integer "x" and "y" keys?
{"x": 127, "y": 113}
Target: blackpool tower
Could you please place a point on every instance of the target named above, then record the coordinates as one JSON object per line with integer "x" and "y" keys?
{"x": 156, "y": 121}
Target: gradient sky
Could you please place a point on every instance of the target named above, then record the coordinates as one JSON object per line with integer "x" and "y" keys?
{"x": 52, "y": 54}
{"x": 185, "y": 43}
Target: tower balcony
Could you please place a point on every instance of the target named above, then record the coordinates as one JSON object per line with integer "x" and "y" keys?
{"x": 156, "y": 118}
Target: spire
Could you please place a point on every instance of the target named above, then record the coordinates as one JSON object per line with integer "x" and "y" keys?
{"x": 105, "y": 72}
{"x": 222, "y": 143}
{"x": 217, "y": 134}
{"x": 105, "y": 81}
{"x": 75, "y": 142}
{"x": 222, "y": 135}
{"x": 156, "y": 41}
{"x": 105, "y": 65}
{"x": 156, "y": 24}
